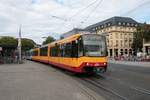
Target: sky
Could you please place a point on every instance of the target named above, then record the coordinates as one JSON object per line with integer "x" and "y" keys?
{"x": 41, "y": 18}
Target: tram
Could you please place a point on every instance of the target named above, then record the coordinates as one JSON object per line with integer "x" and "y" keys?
{"x": 79, "y": 53}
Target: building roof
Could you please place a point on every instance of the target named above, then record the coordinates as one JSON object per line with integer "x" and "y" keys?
{"x": 117, "y": 20}
{"x": 72, "y": 32}
{"x": 122, "y": 21}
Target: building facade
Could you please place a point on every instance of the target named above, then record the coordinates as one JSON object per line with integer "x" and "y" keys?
{"x": 119, "y": 34}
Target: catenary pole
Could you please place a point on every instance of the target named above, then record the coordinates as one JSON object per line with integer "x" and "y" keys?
{"x": 19, "y": 45}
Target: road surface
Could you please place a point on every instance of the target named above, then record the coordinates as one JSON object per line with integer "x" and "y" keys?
{"x": 36, "y": 81}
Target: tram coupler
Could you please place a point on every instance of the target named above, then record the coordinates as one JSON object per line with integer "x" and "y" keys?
{"x": 99, "y": 70}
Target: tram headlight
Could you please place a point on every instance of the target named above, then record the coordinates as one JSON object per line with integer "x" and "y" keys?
{"x": 104, "y": 63}
{"x": 87, "y": 64}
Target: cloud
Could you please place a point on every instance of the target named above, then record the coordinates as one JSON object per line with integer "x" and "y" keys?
{"x": 53, "y": 17}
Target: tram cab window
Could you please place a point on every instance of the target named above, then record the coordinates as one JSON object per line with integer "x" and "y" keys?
{"x": 94, "y": 45}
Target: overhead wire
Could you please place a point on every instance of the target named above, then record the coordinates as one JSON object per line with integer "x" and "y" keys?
{"x": 92, "y": 11}
{"x": 79, "y": 12}
{"x": 134, "y": 9}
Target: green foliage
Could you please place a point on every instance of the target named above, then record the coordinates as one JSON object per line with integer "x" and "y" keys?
{"x": 137, "y": 42}
{"x": 49, "y": 39}
{"x": 143, "y": 32}
{"x": 27, "y": 44}
{"x": 147, "y": 32}
{"x": 8, "y": 41}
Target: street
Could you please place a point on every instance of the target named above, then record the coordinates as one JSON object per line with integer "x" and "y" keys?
{"x": 74, "y": 50}
{"x": 37, "y": 81}
{"x": 121, "y": 81}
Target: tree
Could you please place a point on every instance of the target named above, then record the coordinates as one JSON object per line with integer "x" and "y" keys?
{"x": 8, "y": 41}
{"x": 143, "y": 32}
{"x": 49, "y": 39}
{"x": 146, "y": 32}
{"x": 27, "y": 44}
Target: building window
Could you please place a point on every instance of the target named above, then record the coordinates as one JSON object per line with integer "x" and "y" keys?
{"x": 132, "y": 24}
{"x": 116, "y": 35}
{"x": 129, "y": 28}
{"x": 125, "y": 43}
{"x": 110, "y": 36}
{"x": 110, "y": 51}
{"x": 119, "y": 23}
{"x": 121, "y": 52}
{"x": 126, "y": 51}
{"x": 136, "y": 25}
{"x": 130, "y": 43}
{"x": 116, "y": 43}
{"x": 121, "y": 35}
{"x": 116, "y": 52}
{"x": 130, "y": 51}
{"x": 121, "y": 43}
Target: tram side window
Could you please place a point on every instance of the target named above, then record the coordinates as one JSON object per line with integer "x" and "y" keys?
{"x": 35, "y": 53}
{"x": 54, "y": 51}
{"x": 43, "y": 51}
{"x": 74, "y": 49}
{"x": 62, "y": 50}
{"x": 80, "y": 47}
{"x": 68, "y": 50}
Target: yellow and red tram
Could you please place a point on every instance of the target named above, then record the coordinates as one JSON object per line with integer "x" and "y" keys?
{"x": 79, "y": 53}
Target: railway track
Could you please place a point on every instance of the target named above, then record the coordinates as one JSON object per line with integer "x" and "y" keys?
{"x": 112, "y": 88}
{"x": 142, "y": 90}
{"x": 100, "y": 86}
{"x": 107, "y": 86}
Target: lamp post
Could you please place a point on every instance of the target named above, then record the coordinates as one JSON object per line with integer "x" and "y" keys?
{"x": 19, "y": 45}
